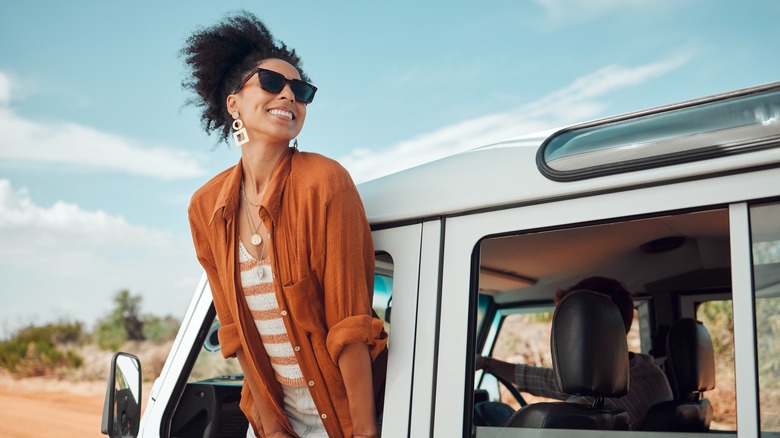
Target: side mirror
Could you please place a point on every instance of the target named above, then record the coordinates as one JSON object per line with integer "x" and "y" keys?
{"x": 122, "y": 408}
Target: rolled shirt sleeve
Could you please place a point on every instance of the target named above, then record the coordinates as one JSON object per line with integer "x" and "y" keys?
{"x": 355, "y": 329}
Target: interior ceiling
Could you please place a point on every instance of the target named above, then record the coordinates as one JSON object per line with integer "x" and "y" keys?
{"x": 555, "y": 259}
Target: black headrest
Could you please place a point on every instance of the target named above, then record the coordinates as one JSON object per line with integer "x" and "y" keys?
{"x": 588, "y": 345}
{"x": 690, "y": 356}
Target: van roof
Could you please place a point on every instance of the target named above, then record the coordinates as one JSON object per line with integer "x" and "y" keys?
{"x": 507, "y": 174}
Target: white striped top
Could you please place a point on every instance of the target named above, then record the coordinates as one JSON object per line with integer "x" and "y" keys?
{"x": 258, "y": 288}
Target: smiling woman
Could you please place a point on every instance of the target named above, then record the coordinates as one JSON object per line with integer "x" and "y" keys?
{"x": 292, "y": 224}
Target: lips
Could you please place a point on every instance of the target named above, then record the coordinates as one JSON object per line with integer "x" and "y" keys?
{"x": 282, "y": 113}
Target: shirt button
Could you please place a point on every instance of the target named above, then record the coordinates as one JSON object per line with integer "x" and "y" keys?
{"x": 297, "y": 348}
{"x": 311, "y": 382}
{"x": 324, "y": 416}
{"x": 284, "y": 313}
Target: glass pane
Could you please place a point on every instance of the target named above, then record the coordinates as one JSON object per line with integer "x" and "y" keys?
{"x": 765, "y": 237}
{"x": 720, "y": 123}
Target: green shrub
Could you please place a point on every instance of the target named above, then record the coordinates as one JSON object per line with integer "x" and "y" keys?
{"x": 158, "y": 330}
{"x": 125, "y": 323}
{"x": 38, "y": 350}
{"x": 109, "y": 335}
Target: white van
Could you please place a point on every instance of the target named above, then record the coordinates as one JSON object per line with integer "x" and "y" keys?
{"x": 680, "y": 203}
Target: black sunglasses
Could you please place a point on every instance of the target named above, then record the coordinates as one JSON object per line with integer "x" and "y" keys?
{"x": 273, "y": 82}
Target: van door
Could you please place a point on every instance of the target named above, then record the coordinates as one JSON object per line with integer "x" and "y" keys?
{"x": 715, "y": 209}
{"x": 407, "y": 260}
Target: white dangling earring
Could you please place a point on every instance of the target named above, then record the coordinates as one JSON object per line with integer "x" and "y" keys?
{"x": 295, "y": 143}
{"x": 239, "y": 132}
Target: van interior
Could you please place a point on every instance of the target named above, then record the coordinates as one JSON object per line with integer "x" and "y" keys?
{"x": 677, "y": 266}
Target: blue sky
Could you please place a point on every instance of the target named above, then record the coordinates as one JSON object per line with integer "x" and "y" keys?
{"x": 99, "y": 155}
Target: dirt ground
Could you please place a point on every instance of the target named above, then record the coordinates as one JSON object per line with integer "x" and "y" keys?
{"x": 72, "y": 405}
{"x": 36, "y": 407}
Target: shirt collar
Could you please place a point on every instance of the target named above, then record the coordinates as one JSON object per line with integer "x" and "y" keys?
{"x": 273, "y": 195}
{"x": 228, "y": 199}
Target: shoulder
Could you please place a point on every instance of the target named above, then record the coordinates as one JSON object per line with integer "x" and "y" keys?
{"x": 318, "y": 172}
{"x": 206, "y": 196}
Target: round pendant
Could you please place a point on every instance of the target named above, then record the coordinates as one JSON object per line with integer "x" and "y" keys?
{"x": 256, "y": 239}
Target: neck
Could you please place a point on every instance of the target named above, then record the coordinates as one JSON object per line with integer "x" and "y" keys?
{"x": 258, "y": 162}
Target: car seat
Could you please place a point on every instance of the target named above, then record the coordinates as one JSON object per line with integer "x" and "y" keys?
{"x": 690, "y": 362}
{"x": 590, "y": 358}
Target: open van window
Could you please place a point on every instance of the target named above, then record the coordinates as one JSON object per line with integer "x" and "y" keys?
{"x": 659, "y": 258}
{"x": 383, "y": 288}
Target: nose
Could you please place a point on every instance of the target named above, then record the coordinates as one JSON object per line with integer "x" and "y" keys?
{"x": 287, "y": 92}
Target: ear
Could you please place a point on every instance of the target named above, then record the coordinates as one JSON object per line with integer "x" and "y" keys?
{"x": 232, "y": 103}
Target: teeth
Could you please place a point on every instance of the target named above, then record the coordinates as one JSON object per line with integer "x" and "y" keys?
{"x": 277, "y": 112}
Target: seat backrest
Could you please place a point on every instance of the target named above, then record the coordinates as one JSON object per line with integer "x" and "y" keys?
{"x": 590, "y": 358}
{"x": 690, "y": 360}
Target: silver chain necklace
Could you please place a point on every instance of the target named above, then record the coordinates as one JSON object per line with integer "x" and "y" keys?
{"x": 255, "y": 237}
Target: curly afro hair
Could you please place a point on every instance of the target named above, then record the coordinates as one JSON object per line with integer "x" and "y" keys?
{"x": 219, "y": 57}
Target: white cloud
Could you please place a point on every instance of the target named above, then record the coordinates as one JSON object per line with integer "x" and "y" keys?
{"x": 65, "y": 261}
{"x": 575, "y": 103}
{"x": 602, "y": 82}
{"x": 62, "y": 228}
{"x": 64, "y": 142}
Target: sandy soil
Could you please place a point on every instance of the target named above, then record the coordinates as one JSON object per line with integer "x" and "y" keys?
{"x": 36, "y": 407}
{"x": 72, "y": 405}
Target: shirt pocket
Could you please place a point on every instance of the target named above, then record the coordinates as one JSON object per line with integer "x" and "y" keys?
{"x": 305, "y": 305}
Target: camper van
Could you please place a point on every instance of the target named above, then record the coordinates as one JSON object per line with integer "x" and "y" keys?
{"x": 681, "y": 204}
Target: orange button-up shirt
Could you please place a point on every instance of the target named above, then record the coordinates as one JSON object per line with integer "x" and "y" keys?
{"x": 322, "y": 257}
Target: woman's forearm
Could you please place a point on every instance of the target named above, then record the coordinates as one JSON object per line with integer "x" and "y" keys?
{"x": 355, "y": 365}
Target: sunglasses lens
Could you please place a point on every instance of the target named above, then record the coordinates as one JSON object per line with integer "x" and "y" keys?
{"x": 303, "y": 92}
{"x": 271, "y": 81}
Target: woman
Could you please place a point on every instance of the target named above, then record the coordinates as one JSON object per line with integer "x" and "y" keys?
{"x": 285, "y": 243}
